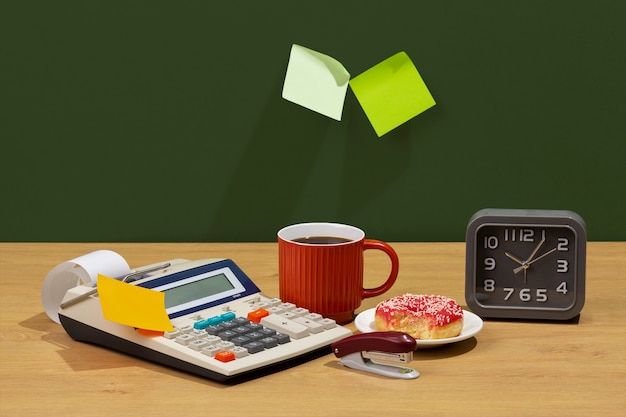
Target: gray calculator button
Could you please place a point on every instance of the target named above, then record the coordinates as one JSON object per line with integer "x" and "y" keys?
{"x": 241, "y": 340}
{"x": 282, "y": 338}
{"x": 254, "y": 347}
{"x": 269, "y": 342}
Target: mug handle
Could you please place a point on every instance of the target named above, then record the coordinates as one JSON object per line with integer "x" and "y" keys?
{"x": 393, "y": 256}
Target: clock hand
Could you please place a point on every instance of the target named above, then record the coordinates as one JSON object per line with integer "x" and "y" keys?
{"x": 532, "y": 255}
{"x": 527, "y": 264}
{"x": 515, "y": 258}
{"x": 524, "y": 264}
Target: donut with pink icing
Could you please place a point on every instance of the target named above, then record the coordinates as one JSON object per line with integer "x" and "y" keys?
{"x": 424, "y": 317}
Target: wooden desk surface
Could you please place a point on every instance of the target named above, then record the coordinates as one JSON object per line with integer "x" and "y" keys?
{"x": 508, "y": 369}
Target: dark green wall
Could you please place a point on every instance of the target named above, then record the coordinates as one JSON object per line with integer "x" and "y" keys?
{"x": 163, "y": 120}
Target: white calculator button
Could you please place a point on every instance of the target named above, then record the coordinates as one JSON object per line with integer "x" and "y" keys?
{"x": 314, "y": 316}
{"x": 210, "y": 350}
{"x": 287, "y": 306}
{"x": 275, "y": 302}
{"x": 224, "y": 345}
{"x": 239, "y": 351}
{"x": 172, "y": 335}
{"x": 289, "y": 315}
{"x": 184, "y": 339}
{"x": 314, "y": 326}
{"x": 198, "y": 333}
{"x": 328, "y": 323}
{"x": 198, "y": 344}
{"x": 185, "y": 329}
{"x": 300, "y": 311}
{"x": 285, "y": 325}
{"x": 212, "y": 340}
{"x": 275, "y": 310}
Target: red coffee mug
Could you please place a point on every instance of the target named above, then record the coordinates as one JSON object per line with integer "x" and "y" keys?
{"x": 321, "y": 268}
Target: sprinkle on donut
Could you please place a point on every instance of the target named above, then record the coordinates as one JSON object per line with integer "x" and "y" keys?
{"x": 421, "y": 316}
{"x": 442, "y": 309}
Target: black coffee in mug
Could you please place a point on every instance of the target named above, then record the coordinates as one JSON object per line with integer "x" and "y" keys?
{"x": 321, "y": 240}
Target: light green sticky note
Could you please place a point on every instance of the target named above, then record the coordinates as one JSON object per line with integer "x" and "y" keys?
{"x": 391, "y": 93}
{"x": 316, "y": 81}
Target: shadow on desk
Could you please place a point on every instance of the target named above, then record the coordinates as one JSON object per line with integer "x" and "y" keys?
{"x": 81, "y": 356}
{"x": 423, "y": 354}
{"x": 445, "y": 351}
{"x": 573, "y": 321}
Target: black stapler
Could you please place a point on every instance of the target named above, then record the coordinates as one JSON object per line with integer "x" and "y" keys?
{"x": 361, "y": 351}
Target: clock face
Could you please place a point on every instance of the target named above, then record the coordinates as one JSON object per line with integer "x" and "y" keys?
{"x": 525, "y": 266}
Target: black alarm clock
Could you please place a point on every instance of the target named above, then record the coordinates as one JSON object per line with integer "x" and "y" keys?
{"x": 525, "y": 264}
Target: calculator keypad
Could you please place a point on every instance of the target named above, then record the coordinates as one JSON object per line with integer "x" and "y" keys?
{"x": 268, "y": 324}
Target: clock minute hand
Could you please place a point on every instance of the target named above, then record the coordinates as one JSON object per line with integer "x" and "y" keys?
{"x": 516, "y": 270}
{"x": 532, "y": 255}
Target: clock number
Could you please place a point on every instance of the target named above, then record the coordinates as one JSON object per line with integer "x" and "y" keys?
{"x": 509, "y": 293}
{"x": 527, "y": 235}
{"x": 562, "y": 288}
{"x": 489, "y": 285}
{"x": 491, "y": 242}
{"x": 563, "y": 244}
{"x": 490, "y": 264}
{"x": 561, "y": 265}
{"x": 525, "y": 295}
{"x": 542, "y": 295}
{"x": 509, "y": 235}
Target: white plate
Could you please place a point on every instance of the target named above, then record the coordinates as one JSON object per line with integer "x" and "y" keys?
{"x": 472, "y": 324}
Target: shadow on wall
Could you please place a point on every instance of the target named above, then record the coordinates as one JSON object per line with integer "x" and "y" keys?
{"x": 273, "y": 184}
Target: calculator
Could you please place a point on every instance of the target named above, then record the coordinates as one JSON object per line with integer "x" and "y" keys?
{"x": 225, "y": 328}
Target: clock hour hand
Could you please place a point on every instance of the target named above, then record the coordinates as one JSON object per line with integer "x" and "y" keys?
{"x": 515, "y": 258}
{"x": 524, "y": 264}
{"x": 527, "y": 264}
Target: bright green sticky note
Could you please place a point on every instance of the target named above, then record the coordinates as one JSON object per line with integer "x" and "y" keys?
{"x": 316, "y": 81}
{"x": 391, "y": 93}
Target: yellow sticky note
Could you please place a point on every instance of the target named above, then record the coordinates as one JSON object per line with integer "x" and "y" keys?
{"x": 132, "y": 305}
{"x": 316, "y": 81}
{"x": 391, "y": 93}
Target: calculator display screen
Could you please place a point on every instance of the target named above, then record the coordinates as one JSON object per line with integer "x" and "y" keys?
{"x": 194, "y": 290}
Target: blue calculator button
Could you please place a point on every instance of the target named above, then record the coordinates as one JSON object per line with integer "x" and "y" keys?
{"x": 214, "y": 321}
{"x": 201, "y": 325}
{"x": 228, "y": 316}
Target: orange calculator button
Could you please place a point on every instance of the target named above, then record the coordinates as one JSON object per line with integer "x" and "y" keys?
{"x": 256, "y": 315}
{"x": 150, "y": 333}
{"x": 225, "y": 356}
